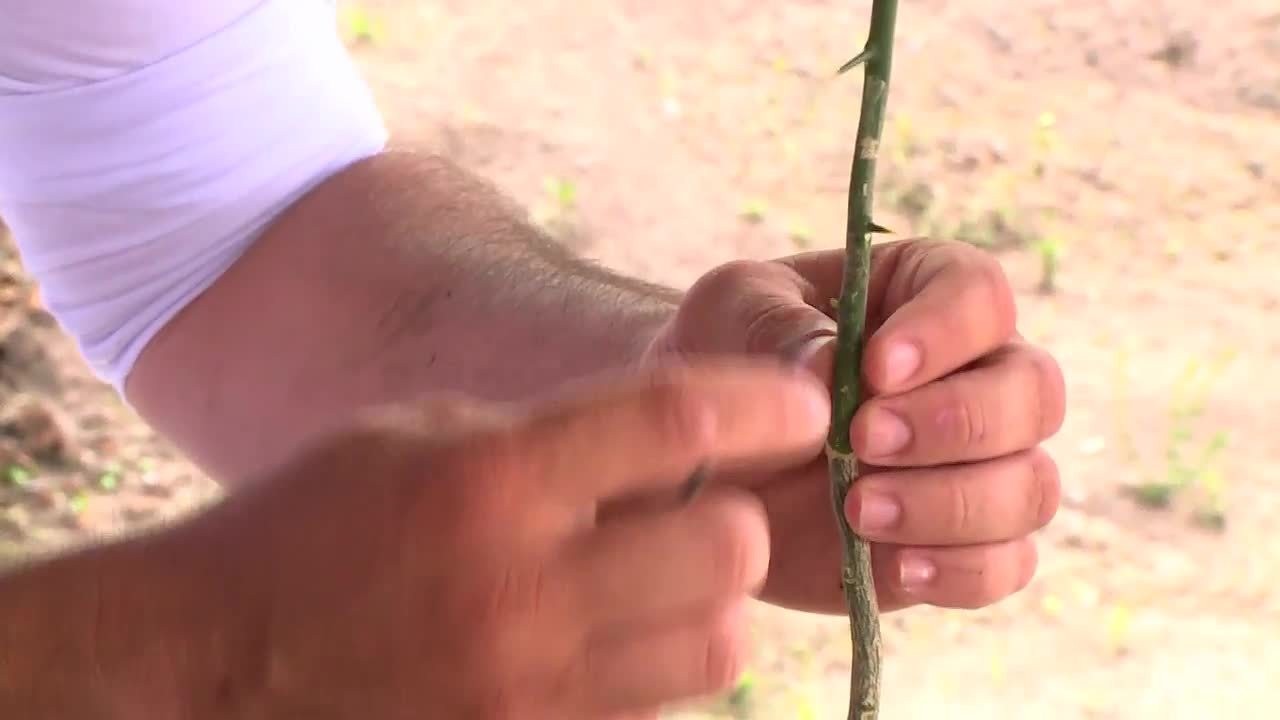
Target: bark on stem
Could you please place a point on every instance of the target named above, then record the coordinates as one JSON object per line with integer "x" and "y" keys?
{"x": 851, "y": 311}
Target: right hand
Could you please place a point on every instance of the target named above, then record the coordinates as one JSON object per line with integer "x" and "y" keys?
{"x": 450, "y": 560}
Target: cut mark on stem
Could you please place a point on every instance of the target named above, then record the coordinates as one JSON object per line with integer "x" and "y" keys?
{"x": 835, "y": 454}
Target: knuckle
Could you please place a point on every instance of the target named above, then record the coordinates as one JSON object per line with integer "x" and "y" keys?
{"x": 775, "y": 324}
{"x": 1008, "y": 569}
{"x": 743, "y": 305}
{"x": 961, "y": 517}
{"x": 519, "y": 593}
{"x": 723, "y": 654}
{"x": 730, "y": 275}
{"x": 1046, "y": 487}
{"x": 708, "y": 292}
{"x": 991, "y": 289}
{"x": 1050, "y": 391}
{"x": 1029, "y": 564}
{"x": 963, "y": 418}
{"x": 741, "y": 556}
{"x": 500, "y": 616}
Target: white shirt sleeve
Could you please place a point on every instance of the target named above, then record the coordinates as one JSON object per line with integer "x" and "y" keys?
{"x": 145, "y": 144}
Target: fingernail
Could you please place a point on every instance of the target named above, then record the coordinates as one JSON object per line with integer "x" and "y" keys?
{"x": 799, "y": 352}
{"x": 902, "y": 361}
{"x": 806, "y": 352}
{"x": 887, "y": 433}
{"x": 916, "y": 572}
{"x": 875, "y": 511}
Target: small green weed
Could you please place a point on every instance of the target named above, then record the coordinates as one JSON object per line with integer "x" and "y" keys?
{"x": 754, "y": 211}
{"x": 996, "y": 228}
{"x": 557, "y": 213}
{"x": 18, "y": 475}
{"x": 906, "y": 140}
{"x": 110, "y": 478}
{"x": 360, "y": 26}
{"x": 915, "y": 200}
{"x": 559, "y": 203}
{"x": 801, "y": 235}
{"x": 78, "y": 503}
{"x": 1046, "y": 144}
{"x": 1050, "y": 250}
{"x": 804, "y": 708}
{"x": 564, "y": 192}
{"x": 740, "y": 697}
{"x": 1119, "y": 622}
{"x": 1190, "y": 462}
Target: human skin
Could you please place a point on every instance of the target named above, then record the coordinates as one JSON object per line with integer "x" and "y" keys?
{"x": 403, "y": 277}
{"x": 467, "y": 575}
{"x": 406, "y": 275}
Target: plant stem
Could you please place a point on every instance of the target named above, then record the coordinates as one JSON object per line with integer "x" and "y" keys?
{"x": 851, "y": 311}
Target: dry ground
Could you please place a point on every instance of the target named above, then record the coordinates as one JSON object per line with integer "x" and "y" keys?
{"x": 1133, "y": 145}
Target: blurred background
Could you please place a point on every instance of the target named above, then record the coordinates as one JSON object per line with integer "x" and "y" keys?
{"x": 1121, "y": 157}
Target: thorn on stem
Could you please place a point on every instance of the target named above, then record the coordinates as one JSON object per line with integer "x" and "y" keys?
{"x": 876, "y": 228}
{"x": 857, "y": 60}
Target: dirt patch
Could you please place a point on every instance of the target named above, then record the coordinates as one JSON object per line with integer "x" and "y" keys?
{"x": 75, "y": 464}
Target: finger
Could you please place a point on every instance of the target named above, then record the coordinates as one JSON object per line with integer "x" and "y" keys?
{"x": 806, "y": 547}
{"x": 805, "y": 574}
{"x": 764, "y": 308}
{"x": 824, "y": 270}
{"x": 653, "y": 713}
{"x": 438, "y": 417}
{"x": 646, "y": 666}
{"x": 649, "y": 432}
{"x": 750, "y": 308}
{"x": 944, "y": 306}
{"x": 1011, "y": 401}
{"x": 967, "y": 577}
{"x": 665, "y": 563}
{"x": 932, "y": 307}
{"x": 994, "y": 501}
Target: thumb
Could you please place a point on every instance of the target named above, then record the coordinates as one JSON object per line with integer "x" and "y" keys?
{"x": 754, "y": 308}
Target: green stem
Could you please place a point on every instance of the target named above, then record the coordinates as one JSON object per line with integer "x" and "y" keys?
{"x": 851, "y": 312}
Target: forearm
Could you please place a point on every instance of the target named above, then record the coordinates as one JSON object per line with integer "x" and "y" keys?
{"x": 119, "y": 630}
{"x": 400, "y": 276}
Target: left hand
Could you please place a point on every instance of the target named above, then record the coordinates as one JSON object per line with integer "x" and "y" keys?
{"x": 955, "y": 482}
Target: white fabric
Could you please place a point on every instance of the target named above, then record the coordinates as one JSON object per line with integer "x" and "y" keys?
{"x": 145, "y": 144}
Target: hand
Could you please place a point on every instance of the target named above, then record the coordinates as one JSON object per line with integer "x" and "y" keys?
{"x": 955, "y": 480}
{"x": 448, "y": 560}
